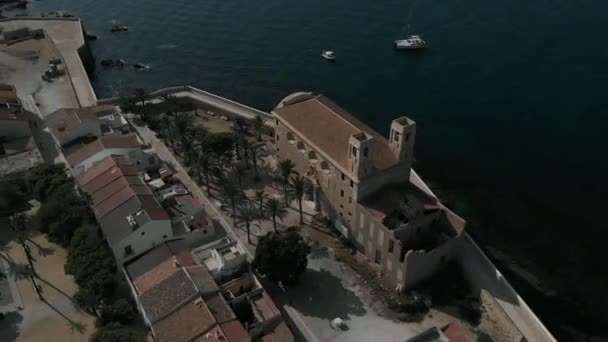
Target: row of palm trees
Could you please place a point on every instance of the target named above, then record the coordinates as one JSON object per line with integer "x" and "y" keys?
{"x": 222, "y": 161}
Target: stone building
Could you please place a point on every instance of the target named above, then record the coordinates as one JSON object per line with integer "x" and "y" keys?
{"x": 361, "y": 181}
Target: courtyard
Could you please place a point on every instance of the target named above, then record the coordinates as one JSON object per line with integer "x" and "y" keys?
{"x": 27, "y": 317}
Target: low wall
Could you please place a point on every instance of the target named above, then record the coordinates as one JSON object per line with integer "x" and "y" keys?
{"x": 502, "y": 324}
{"x": 224, "y": 105}
{"x": 484, "y": 277}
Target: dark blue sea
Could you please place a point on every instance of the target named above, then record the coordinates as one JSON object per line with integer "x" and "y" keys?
{"x": 510, "y": 98}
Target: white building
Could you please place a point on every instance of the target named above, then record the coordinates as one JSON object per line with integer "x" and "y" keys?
{"x": 129, "y": 215}
{"x": 81, "y": 157}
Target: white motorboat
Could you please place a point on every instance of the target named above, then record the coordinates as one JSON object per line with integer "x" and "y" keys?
{"x": 412, "y": 42}
{"x": 329, "y": 55}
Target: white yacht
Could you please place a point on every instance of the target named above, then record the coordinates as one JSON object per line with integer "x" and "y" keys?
{"x": 329, "y": 55}
{"x": 412, "y": 42}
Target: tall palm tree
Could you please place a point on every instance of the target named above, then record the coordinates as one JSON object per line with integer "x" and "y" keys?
{"x": 298, "y": 187}
{"x": 275, "y": 210}
{"x": 204, "y": 166}
{"x": 247, "y": 214}
{"x": 141, "y": 97}
{"x": 171, "y": 104}
{"x": 166, "y": 127}
{"x": 230, "y": 192}
{"x": 258, "y": 125}
{"x": 260, "y": 196}
{"x": 240, "y": 131}
{"x": 285, "y": 169}
{"x": 238, "y": 170}
{"x": 256, "y": 153}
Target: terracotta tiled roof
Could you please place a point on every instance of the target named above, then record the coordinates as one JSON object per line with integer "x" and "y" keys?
{"x": 214, "y": 335}
{"x": 109, "y": 176}
{"x": 116, "y": 185}
{"x": 265, "y": 306}
{"x": 235, "y": 332}
{"x": 143, "y": 193}
{"x": 105, "y": 142}
{"x": 151, "y": 206}
{"x": 64, "y": 120}
{"x": 100, "y": 167}
{"x": 457, "y": 332}
{"x": 8, "y": 92}
{"x": 329, "y": 127}
{"x": 156, "y": 275}
{"x": 186, "y": 323}
{"x": 163, "y": 298}
{"x": 220, "y": 309}
{"x": 280, "y": 333}
{"x": 83, "y": 153}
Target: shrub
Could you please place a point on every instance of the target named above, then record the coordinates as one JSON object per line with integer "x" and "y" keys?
{"x": 116, "y": 332}
{"x": 120, "y": 311}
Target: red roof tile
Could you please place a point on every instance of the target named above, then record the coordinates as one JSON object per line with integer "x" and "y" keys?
{"x": 235, "y": 332}
{"x": 100, "y": 167}
{"x": 64, "y": 120}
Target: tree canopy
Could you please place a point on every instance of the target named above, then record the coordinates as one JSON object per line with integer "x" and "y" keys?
{"x": 45, "y": 179}
{"x": 116, "y": 332}
{"x": 282, "y": 256}
{"x": 91, "y": 264}
{"x": 60, "y": 214}
{"x": 120, "y": 311}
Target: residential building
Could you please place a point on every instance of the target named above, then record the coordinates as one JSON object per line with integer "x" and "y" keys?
{"x": 128, "y": 213}
{"x": 69, "y": 124}
{"x": 223, "y": 258}
{"x": 180, "y": 301}
{"x": 82, "y": 155}
{"x": 361, "y": 181}
{"x": 169, "y": 289}
{"x": 14, "y": 121}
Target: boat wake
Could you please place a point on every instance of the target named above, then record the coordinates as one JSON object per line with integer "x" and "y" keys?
{"x": 167, "y": 46}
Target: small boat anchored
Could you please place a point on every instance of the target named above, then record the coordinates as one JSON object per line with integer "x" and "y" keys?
{"x": 119, "y": 28}
{"x": 112, "y": 63}
{"x": 329, "y": 55}
{"x": 412, "y": 42}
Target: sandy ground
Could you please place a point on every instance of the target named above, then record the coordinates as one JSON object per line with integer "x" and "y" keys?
{"x": 55, "y": 318}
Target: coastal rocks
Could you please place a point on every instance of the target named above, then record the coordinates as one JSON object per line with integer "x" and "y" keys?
{"x": 112, "y": 63}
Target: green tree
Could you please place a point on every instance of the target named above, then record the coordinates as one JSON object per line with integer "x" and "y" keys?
{"x": 240, "y": 131}
{"x": 299, "y": 185}
{"x": 260, "y": 196}
{"x": 47, "y": 178}
{"x": 256, "y": 153}
{"x": 285, "y": 169}
{"x": 282, "y": 256}
{"x": 219, "y": 144}
{"x": 116, "y": 332}
{"x": 91, "y": 263}
{"x": 204, "y": 166}
{"x": 140, "y": 96}
{"x": 238, "y": 171}
{"x": 247, "y": 213}
{"x": 258, "y": 125}
{"x": 275, "y": 210}
{"x": 166, "y": 130}
{"x": 61, "y": 214}
{"x": 230, "y": 192}
{"x": 120, "y": 311}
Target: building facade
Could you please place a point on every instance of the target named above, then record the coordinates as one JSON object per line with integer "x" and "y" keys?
{"x": 361, "y": 181}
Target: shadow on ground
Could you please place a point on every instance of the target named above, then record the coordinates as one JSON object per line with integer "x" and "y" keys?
{"x": 321, "y": 294}
{"x": 9, "y": 326}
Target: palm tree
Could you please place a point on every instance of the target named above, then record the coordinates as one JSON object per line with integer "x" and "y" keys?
{"x": 231, "y": 192}
{"x": 255, "y": 153}
{"x": 141, "y": 97}
{"x": 247, "y": 214}
{"x": 167, "y": 130}
{"x": 275, "y": 210}
{"x": 260, "y": 196}
{"x": 171, "y": 104}
{"x": 285, "y": 170}
{"x": 238, "y": 170}
{"x": 258, "y": 125}
{"x": 204, "y": 166}
{"x": 240, "y": 131}
{"x": 298, "y": 186}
